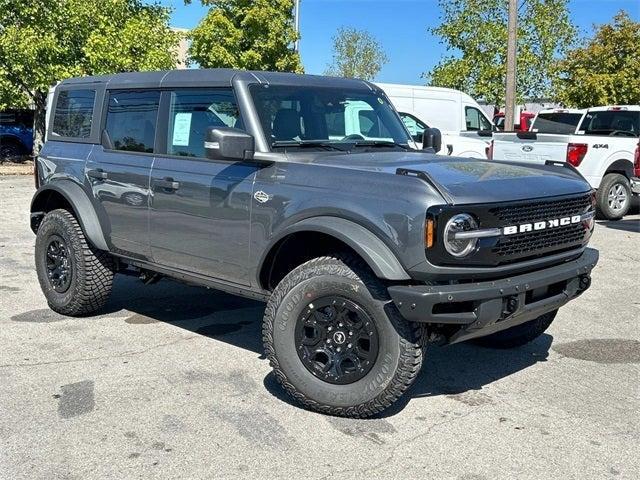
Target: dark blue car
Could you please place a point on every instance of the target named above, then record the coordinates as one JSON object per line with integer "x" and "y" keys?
{"x": 16, "y": 134}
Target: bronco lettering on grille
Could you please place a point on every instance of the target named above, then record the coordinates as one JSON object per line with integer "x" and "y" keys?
{"x": 543, "y": 225}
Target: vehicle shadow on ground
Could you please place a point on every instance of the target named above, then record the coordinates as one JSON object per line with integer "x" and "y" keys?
{"x": 453, "y": 371}
{"x": 211, "y": 313}
{"x": 456, "y": 371}
{"x": 627, "y": 225}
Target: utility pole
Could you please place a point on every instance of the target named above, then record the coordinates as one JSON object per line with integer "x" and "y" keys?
{"x": 296, "y": 46}
{"x": 512, "y": 45}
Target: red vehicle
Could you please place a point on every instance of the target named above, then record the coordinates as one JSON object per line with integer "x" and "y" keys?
{"x": 523, "y": 123}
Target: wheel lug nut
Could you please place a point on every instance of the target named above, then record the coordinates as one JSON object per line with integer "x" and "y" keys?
{"x": 338, "y": 349}
{"x": 349, "y": 345}
{"x": 328, "y": 340}
{"x": 351, "y": 334}
{"x": 341, "y": 324}
{"x": 329, "y": 328}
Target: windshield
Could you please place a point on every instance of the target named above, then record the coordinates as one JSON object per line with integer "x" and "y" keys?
{"x": 556, "y": 122}
{"x": 326, "y": 117}
{"x": 608, "y": 122}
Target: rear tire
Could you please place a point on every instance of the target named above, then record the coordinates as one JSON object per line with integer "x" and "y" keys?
{"x": 75, "y": 277}
{"x": 519, "y": 335}
{"x": 613, "y": 197}
{"x": 366, "y": 376}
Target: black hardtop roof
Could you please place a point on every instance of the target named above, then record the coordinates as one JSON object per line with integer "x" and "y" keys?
{"x": 219, "y": 77}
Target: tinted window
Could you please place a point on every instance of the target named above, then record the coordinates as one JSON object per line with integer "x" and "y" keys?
{"x": 563, "y": 123}
{"x": 72, "y": 117}
{"x": 192, "y": 112}
{"x": 610, "y": 121}
{"x": 476, "y": 120}
{"x": 131, "y": 119}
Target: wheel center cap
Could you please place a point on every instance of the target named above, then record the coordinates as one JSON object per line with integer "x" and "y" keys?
{"x": 339, "y": 337}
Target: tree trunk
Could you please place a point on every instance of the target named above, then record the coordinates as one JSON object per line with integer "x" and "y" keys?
{"x": 39, "y": 120}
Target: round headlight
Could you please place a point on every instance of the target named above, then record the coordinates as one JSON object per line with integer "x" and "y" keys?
{"x": 461, "y": 222}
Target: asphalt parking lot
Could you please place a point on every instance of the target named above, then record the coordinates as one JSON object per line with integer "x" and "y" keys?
{"x": 170, "y": 382}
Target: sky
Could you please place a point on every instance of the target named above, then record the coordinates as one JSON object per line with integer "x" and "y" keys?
{"x": 400, "y": 26}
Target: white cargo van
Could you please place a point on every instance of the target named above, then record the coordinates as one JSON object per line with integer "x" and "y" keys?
{"x": 466, "y": 130}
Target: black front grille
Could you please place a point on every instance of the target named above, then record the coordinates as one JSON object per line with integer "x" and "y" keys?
{"x": 532, "y": 212}
{"x": 507, "y": 249}
{"x": 527, "y": 244}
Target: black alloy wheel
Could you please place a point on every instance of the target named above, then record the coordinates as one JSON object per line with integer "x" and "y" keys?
{"x": 336, "y": 340}
{"x": 58, "y": 263}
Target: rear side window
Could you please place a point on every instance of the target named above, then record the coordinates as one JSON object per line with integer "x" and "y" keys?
{"x": 73, "y": 113}
{"x": 192, "y": 112}
{"x": 612, "y": 122}
{"x": 131, "y": 119}
{"x": 563, "y": 123}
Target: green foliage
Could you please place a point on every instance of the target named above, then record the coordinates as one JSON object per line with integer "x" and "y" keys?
{"x": 356, "y": 54}
{"x": 476, "y": 32}
{"x": 44, "y": 41}
{"x": 605, "y": 70}
{"x": 247, "y": 34}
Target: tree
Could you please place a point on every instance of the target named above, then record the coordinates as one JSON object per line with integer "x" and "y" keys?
{"x": 44, "y": 41}
{"x": 356, "y": 54}
{"x": 247, "y": 34}
{"x": 476, "y": 33}
{"x": 605, "y": 70}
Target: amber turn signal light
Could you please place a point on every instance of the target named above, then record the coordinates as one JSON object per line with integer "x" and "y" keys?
{"x": 429, "y": 233}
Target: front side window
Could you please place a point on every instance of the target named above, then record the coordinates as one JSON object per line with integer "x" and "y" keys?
{"x": 131, "y": 119}
{"x": 416, "y": 127}
{"x": 192, "y": 112}
{"x": 292, "y": 115}
{"x": 73, "y": 113}
{"x": 476, "y": 120}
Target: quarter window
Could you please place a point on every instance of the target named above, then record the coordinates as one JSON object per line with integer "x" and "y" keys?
{"x": 476, "y": 120}
{"x": 73, "y": 113}
{"x": 131, "y": 119}
{"x": 192, "y": 112}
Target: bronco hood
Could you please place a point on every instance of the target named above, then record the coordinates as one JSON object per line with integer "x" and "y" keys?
{"x": 468, "y": 180}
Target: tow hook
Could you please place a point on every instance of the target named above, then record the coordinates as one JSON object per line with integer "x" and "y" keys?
{"x": 511, "y": 305}
{"x": 585, "y": 282}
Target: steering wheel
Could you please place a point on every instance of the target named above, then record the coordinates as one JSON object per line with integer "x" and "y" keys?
{"x": 622, "y": 133}
{"x": 353, "y": 136}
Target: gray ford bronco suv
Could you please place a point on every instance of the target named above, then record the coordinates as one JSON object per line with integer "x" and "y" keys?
{"x": 306, "y": 192}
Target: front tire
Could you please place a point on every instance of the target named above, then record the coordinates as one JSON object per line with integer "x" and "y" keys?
{"x": 309, "y": 323}
{"x": 520, "y": 334}
{"x": 75, "y": 277}
{"x": 613, "y": 197}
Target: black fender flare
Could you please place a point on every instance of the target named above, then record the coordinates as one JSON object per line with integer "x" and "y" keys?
{"x": 622, "y": 165}
{"x": 83, "y": 209}
{"x": 369, "y": 246}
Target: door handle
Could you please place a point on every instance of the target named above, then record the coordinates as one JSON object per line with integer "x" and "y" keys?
{"x": 98, "y": 174}
{"x": 167, "y": 183}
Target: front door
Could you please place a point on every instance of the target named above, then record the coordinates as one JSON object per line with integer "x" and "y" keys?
{"x": 200, "y": 208}
{"x": 119, "y": 171}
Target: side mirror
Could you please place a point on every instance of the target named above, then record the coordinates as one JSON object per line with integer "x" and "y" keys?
{"x": 225, "y": 143}
{"x": 432, "y": 138}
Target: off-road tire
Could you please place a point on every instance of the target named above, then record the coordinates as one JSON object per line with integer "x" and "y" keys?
{"x": 92, "y": 270}
{"x": 399, "y": 356}
{"x": 603, "y": 210}
{"x": 519, "y": 335}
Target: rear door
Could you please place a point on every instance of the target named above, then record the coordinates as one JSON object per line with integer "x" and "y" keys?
{"x": 119, "y": 168}
{"x": 200, "y": 208}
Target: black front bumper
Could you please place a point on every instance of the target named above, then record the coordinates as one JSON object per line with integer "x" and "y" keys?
{"x": 483, "y": 308}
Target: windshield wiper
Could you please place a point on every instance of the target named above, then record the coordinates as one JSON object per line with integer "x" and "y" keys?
{"x": 308, "y": 144}
{"x": 379, "y": 143}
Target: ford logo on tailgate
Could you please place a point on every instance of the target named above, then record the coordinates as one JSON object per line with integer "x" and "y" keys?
{"x": 527, "y": 148}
